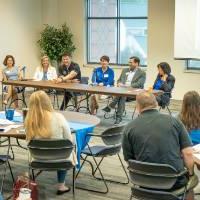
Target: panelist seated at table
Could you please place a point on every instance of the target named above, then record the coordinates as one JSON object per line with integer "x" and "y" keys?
{"x": 102, "y": 76}
{"x": 45, "y": 71}
{"x": 158, "y": 138}
{"x": 43, "y": 122}
{"x": 190, "y": 115}
{"x": 165, "y": 82}
{"x": 130, "y": 77}
{"x": 11, "y": 72}
{"x": 68, "y": 72}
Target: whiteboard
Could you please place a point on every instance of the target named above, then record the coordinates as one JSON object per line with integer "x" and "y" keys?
{"x": 187, "y": 29}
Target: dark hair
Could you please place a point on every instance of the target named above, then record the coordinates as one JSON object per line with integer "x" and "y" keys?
{"x": 105, "y": 58}
{"x": 66, "y": 54}
{"x": 165, "y": 67}
{"x": 6, "y": 60}
{"x": 190, "y": 112}
{"x": 136, "y": 59}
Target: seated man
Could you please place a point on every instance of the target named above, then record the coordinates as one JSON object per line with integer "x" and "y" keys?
{"x": 130, "y": 77}
{"x": 68, "y": 72}
{"x": 158, "y": 138}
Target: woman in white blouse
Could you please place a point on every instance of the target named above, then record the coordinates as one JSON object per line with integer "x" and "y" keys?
{"x": 45, "y": 71}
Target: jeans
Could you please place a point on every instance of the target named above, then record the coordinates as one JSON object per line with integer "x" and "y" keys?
{"x": 67, "y": 97}
{"x": 61, "y": 174}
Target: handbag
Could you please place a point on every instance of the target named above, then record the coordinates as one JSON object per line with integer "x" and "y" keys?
{"x": 25, "y": 182}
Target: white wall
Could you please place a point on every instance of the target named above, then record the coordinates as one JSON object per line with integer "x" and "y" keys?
{"x": 20, "y": 23}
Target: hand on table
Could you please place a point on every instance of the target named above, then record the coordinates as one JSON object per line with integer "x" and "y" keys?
{"x": 120, "y": 85}
{"x": 100, "y": 84}
{"x": 58, "y": 80}
{"x": 74, "y": 81}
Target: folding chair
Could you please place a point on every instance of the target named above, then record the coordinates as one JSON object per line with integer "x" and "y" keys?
{"x": 152, "y": 181}
{"x": 4, "y": 160}
{"x": 51, "y": 155}
{"x": 22, "y": 98}
{"x": 75, "y": 103}
{"x": 112, "y": 139}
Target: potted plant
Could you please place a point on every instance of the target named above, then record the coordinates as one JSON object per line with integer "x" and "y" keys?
{"x": 56, "y": 41}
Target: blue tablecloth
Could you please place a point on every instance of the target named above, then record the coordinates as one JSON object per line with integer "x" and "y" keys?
{"x": 81, "y": 133}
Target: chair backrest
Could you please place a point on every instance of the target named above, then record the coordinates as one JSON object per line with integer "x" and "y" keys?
{"x": 50, "y": 149}
{"x": 113, "y": 135}
{"x": 152, "y": 175}
{"x": 84, "y": 80}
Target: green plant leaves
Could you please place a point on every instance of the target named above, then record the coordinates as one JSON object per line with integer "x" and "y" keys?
{"x": 56, "y": 41}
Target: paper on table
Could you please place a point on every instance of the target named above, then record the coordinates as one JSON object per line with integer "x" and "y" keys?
{"x": 5, "y": 122}
{"x": 197, "y": 155}
{"x": 196, "y": 148}
{"x": 8, "y": 128}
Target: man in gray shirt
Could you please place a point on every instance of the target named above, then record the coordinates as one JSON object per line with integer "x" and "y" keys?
{"x": 130, "y": 77}
{"x": 157, "y": 138}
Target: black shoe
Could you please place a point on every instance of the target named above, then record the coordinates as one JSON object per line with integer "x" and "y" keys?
{"x": 118, "y": 120}
{"x": 60, "y": 192}
{"x": 106, "y": 109}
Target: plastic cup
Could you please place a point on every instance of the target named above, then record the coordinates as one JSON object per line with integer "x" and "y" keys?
{"x": 10, "y": 113}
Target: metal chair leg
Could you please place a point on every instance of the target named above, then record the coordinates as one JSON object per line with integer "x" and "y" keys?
{"x": 11, "y": 172}
{"x": 110, "y": 180}
{"x": 73, "y": 181}
{"x": 102, "y": 177}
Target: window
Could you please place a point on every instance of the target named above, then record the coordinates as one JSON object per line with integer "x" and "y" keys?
{"x": 193, "y": 64}
{"x": 117, "y": 28}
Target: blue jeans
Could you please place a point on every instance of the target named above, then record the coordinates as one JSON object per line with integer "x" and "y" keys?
{"x": 61, "y": 174}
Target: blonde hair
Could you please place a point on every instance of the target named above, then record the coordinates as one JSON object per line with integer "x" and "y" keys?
{"x": 38, "y": 117}
{"x": 41, "y": 61}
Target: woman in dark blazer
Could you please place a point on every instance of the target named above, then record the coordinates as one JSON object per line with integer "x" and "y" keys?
{"x": 165, "y": 82}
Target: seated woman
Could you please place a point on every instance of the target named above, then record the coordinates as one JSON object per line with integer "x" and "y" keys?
{"x": 43, "y": 122}
{"x": 165, "y": 82}
{"x": 45, "y": 71}
{"x": 190, "y": 115}
{"x": 11, "y": 72}
{"x": 102, "y": 76}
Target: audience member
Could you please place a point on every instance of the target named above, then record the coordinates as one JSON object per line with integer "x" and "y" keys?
{"x": 165, "y": 82}
{"x": 130, "y": 77}
{"x": 190, "y": 115}
{"x": 68, "y": 72}
{"x": 158, "y": 138}
{"x": 45, "y": 71}
{"x": 43, "y": 122}
{"x": 102, "y": 76}
{"x": 11, "y": 72}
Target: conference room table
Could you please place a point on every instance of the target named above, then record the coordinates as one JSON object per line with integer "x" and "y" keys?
{"x": 80, "y": 123}
{"x": 80, "y": 88}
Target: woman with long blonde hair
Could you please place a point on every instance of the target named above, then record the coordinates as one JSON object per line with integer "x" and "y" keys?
{"x": 45, "y": 71}
{"x": 190, "y": 115}
{"x": 43, "y": 122}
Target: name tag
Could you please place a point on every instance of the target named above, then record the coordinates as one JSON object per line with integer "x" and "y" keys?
{"x": 105, "y": 75}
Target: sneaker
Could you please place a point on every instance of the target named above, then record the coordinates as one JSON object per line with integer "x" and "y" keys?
{"x": 118, "y": 120}
{"x": 106, "y": 109}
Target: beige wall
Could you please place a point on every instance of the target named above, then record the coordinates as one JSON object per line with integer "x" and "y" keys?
{"x": 20, "y": 26}
{"x": 21, "y": 21}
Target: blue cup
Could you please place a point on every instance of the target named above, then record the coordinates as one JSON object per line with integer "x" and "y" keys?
{"x": 9, "y": 113}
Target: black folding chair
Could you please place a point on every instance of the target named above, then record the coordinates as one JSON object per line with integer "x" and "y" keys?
{"x": 76, "y": 102}
{"x": 4, "y": 160}
{"x": 152, "y": 181}
{"x": 51, "y": 155}
{"x": 112, "y": 139}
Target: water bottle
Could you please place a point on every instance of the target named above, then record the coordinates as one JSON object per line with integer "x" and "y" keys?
{"x": 95, "y": 77}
